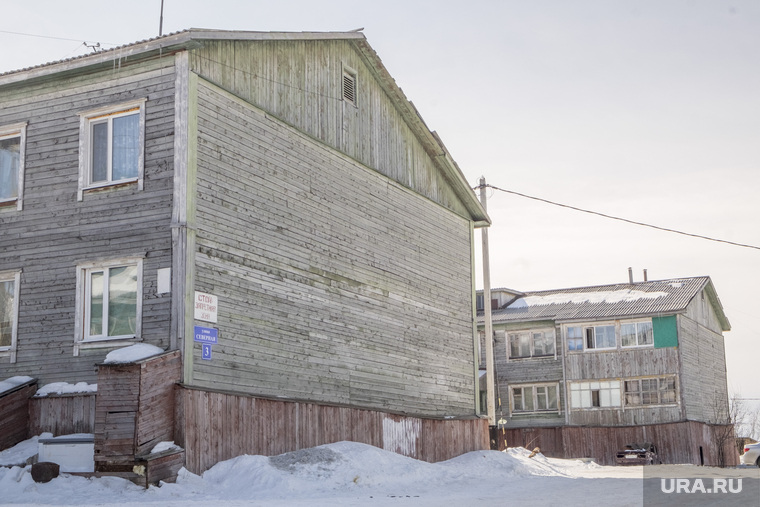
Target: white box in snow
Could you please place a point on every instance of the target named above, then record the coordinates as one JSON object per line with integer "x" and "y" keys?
{"x": 74, "y": 453}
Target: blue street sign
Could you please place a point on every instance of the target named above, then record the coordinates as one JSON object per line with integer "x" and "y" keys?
{"x": 206, "y": 334}
{"x": 206, "y": 351}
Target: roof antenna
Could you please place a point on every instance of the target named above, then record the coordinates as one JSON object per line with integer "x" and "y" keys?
{"x": 95, "y": 47}
{"x": 161, "y": 20}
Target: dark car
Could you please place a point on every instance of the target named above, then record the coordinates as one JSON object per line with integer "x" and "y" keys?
{"x": 638, "y": 454}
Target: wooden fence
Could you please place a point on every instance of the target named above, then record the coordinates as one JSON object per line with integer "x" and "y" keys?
{"x": 688, "y": 442}
{"x": 62, "y": 414}
{"x": 216, "y": 426}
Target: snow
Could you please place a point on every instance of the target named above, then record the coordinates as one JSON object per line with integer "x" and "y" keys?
{"x": 10, "y": 383}
{"x": 165, "y": 446}
{"x": 342, "y": 474}
{"x": 66, "y": 388}
{"x": 136, "y": 352}
{"x": 609, "y": 297}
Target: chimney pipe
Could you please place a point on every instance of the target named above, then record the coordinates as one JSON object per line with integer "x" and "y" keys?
{"x": 630, "y": 276}
{"x": 646, "y": 279}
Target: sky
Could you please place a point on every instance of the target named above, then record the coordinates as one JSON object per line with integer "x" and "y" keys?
{"x": 640, "y": 109}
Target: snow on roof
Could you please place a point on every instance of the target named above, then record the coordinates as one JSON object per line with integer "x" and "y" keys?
{"x": 66, "y": 388}
{"x": 10, "y": 383}
{"x": 133, "y": 353}
{"x": 614, "y": 296}
{"x": 657, "y": 297}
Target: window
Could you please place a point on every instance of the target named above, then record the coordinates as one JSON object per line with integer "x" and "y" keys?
{"x": 12, "y": 147}
{"x": 110, "y": 296}
{"x": 636, "y": 334}
{"x": 349, "y": 85}
{"x": 9, "y": 289}
{"x": 595, "y": 394}
{"x": 600, "y": 337}
{"x": 112, "y": 146}
{"x": 591, "y": 337}
{"x": 574, "y": 338}
{"x": 650, "y": 391}
{"x": 535, "y": 398}
{"x": 531, "y": 344}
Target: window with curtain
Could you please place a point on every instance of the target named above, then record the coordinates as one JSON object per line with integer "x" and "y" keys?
{"x": 9, "y": 167}
{"x": 112, "y": 146}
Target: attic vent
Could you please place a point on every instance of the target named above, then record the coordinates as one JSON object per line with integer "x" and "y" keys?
{"x": 349, "y": 87}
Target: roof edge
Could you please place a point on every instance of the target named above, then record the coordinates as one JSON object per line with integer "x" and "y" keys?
{"x": 185, "y": 39}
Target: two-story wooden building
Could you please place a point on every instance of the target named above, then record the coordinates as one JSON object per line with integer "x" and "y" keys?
{"x": 583, "y": 372}
{"x": 267, "y": 207}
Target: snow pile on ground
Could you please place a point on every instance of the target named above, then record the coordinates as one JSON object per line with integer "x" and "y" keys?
{"x": 136, "y": 352}
{"x": 342, "y": 474}
{"x": 66, "y": 388}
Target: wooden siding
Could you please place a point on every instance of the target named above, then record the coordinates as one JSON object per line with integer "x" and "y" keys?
{"x": 62, "y": 414}
{"x": 219, "y": 426}
{"x": 134, "y": 409}
{"x": 335, "y": 284}
{"x": 621, "y": 363}
{"x": 703, "y": 371}
{"x": 538, "y": 370}
{"x": 301, "y": 83}
{"x": 677, "y": 443}
{"x": 54, "y": 232}
{"x": 14, "y": 414}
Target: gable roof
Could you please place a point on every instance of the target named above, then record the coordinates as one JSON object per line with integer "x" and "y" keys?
{"x": 611, "y": 301}
{"x": 195, "y": 37}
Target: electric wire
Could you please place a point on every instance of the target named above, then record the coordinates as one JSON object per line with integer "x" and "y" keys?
{"x": 675, "y": 231}
{"x": 49, "y": 37}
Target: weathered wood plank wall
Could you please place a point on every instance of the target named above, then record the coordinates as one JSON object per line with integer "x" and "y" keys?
{"x": 336, "y": 284}
{"x": 54, "y": 232}
{"x": 539, "y": 370}
{"x": 14, "y": 414}
{"x": 703, "y": 369}
{"x": 677, "y": 443}
{"x": 155, "y": 418}
{"x": 219, "y": 426}
{"x": 301, "y": 83}
{"x": 135, "y": 408}
{"x": 62, "y": 414}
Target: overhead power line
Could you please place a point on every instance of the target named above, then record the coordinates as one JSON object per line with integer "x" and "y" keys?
{"x": 623, "y": 219}
{"x": 48, "y": 37}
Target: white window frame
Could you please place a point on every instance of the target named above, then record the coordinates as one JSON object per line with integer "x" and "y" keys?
{"x": 636, "y": 324}
{"x": 534, "y": 393}
{"x": 10, "y": 132}
{"x": 15, "y": 277}
{"x": 659, "y": 379}
{"x": 86, "y": 120}
{"x": 610, "y": 394}
{"x": 532, "y": 338}
{"x": 585, "y": 328}
{"x": 81, "y": 339}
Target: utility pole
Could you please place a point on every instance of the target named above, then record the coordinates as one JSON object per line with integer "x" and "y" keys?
{"x": 490, "y": 384}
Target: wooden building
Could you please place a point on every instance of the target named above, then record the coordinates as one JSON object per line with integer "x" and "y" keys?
{"x": 271, "y": 206}
{"x": 583, "y": 372}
